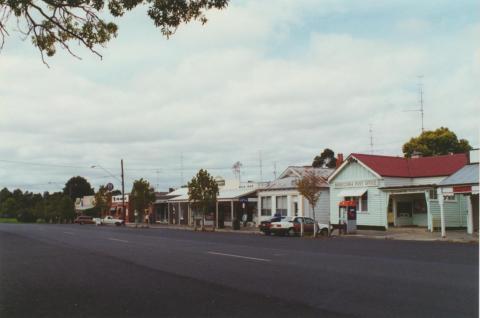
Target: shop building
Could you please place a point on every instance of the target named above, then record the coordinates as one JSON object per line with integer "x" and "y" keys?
{"x": 120, "y": 208}
{"x": 281, "y": 196}
{"x": 236, "y": 200}
{"x": 463, "y": 184}
{"x": 397, "y": 191}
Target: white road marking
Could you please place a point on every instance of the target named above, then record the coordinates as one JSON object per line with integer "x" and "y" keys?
{"x": 71, "y": 233}
{"x": 117, "y": 240}
{"x": 240, "y": 256}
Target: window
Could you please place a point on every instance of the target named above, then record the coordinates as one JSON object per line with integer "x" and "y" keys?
{"x": 309, "y": 221}
{"x": 449, "y": 198}
{"x": 364, "y": 202}
{"x": 266, "y": 206}
{"x": 282, "y": 205}
{"x": 433, "y": 194}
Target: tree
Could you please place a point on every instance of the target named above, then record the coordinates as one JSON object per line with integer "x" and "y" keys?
{"x": 237, "y": 166}
{"x": 77, "y": 187}
{"x": 441, "y": 141}
{"x": 103, "y": 199}
{"x": 202, "y": 193}
{"x": 325, "y": 160}
{"x": 309, "y": 187}
{"x": 142, "y": 195}
{"x": 53, "y": 23}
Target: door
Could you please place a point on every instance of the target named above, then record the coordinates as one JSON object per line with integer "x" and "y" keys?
{"x": 309, "y": 225}
{"x": 475, "y": 211}
{"x": 404, "y": 213}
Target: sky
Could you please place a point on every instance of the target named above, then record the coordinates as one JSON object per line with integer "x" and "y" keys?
{"x": 268, "y": 83}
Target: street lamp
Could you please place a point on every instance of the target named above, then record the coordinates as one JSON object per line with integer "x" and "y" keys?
{"x": 111, "y": 174}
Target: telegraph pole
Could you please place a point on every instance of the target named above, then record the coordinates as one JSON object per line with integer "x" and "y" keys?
{"x": 124, "y": 214}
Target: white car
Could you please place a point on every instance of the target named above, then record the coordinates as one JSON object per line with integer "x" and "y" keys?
{"x": 109, "y": 220}
{"x": 291, "y": 226}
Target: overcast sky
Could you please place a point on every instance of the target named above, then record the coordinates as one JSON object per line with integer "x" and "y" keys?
{"x": 276, "y": 80}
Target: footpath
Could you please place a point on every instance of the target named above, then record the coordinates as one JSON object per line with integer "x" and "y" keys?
{"x": 407, "y": 234}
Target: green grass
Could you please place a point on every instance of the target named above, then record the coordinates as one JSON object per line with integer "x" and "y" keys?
{"x": 8, "y": 220}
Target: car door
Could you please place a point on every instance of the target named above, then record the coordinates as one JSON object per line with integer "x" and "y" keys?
{"x": 308, "y": 225}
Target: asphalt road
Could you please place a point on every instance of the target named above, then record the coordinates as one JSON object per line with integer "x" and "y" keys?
{"x": 88, "y": 271}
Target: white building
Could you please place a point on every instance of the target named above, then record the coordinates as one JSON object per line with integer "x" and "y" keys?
{"x": 281, "y": 196}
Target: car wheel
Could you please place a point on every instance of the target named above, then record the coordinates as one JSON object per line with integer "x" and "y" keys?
{"x": 291, "y": 232}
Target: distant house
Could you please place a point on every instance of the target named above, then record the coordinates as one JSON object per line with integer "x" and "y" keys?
{"x": 85, "y": 203}
{"x": 282, "y": 197}
{"x": 397, "y": 191}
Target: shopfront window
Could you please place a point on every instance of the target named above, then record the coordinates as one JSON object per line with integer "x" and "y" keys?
{"x": 282, "y": 205}
{"x": 266, "y": 206}
{"x": 364, "y": 202}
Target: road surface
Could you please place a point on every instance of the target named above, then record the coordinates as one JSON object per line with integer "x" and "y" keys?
{"x": 88, "y": 271}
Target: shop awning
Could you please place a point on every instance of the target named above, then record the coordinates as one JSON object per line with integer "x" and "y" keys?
{"x": 352, "y": 192}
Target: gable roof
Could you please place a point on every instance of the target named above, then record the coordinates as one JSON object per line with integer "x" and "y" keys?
{"x": 389, "y": 166}
{"x": 288, "y": 179}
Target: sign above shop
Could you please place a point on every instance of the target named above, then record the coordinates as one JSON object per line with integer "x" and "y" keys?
{"x": 358, "y": 183}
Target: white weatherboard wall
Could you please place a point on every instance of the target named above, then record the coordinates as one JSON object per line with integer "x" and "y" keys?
{"x": 355, "y": 176}
{"x": 455, "y": 211}
{"x": 322, "y": 208}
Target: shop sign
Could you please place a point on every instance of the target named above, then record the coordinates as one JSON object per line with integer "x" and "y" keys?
{"x": 355, "y": 184}
{"x": 462, "y": 189}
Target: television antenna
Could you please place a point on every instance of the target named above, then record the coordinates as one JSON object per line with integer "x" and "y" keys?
{"x": 420, "y": 92}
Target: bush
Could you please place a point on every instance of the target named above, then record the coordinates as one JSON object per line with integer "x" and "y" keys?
{"x": 40, "y": 221}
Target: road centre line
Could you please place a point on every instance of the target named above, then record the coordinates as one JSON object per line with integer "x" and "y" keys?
{"x": 240, "y": 256}
{"x": 117, "y": 240}
{"x": 70, "y": 233}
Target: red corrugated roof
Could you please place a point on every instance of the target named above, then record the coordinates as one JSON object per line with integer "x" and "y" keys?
{"x": 389, "y": 166}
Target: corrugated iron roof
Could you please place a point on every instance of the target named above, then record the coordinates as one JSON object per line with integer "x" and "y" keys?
{"x": 389, "y": 166}
{"x": 466, "y": 175}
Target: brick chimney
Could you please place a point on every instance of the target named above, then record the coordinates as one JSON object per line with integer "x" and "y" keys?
{"x": 339, "y": 160}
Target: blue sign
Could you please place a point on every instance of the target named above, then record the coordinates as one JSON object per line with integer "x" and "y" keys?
{"x": 243, "y": 200}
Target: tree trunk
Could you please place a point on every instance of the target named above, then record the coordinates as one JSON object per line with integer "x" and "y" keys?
{"x": 314, "y": 222}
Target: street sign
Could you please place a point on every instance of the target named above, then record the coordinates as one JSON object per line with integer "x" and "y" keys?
{"x": 109, "y": 186}
{"x": 243, "y": 200}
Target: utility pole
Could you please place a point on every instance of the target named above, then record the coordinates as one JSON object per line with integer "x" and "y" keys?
{"x": 275, "y": 170}
{"x": 124, "y": 213}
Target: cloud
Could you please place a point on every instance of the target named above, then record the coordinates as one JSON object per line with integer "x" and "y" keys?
{"x": 217, "y": 94}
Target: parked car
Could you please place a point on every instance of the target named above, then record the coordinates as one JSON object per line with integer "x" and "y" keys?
{"x": 84, "y": 219}
{"x": 265, "y": 225}
{"x": 109, "y": 220}
{"x": 291, "y": 226}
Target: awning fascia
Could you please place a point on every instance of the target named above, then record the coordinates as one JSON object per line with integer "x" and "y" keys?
{"x": 352, "y": 192}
